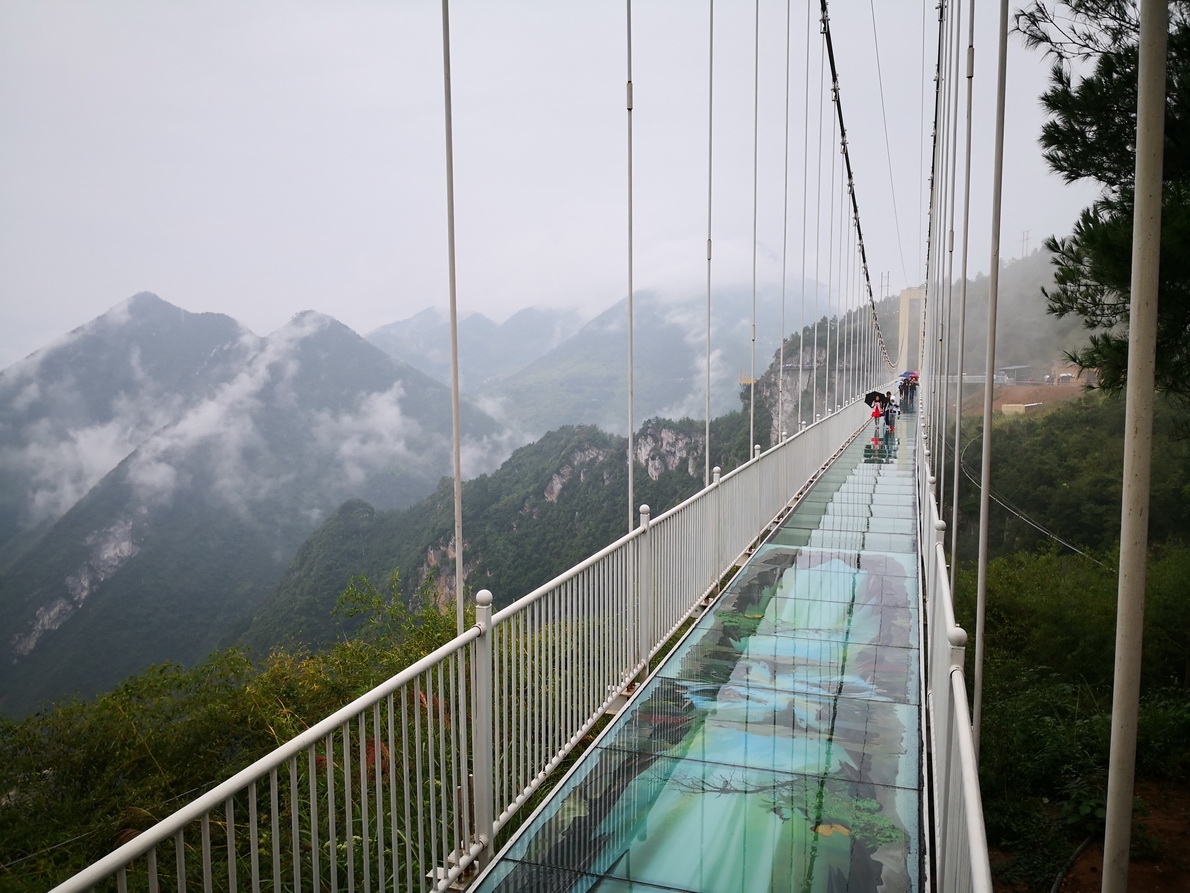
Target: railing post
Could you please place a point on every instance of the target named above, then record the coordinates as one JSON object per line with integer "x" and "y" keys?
{"x": 644, "y": 589}
{"x": 948, "y": 745}
{"x": 940, "y": 540}
{"x": 482, "y": 764}
{"x": 717, "y": 523}
{"x": 783, "y": 471}
{"x": 760, "y": 519}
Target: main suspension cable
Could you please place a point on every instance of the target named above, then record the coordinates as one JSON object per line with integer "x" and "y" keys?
{"x": 830, "y": 51}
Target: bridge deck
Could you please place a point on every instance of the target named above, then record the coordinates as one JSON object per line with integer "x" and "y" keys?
{"x": 779, "y": 746}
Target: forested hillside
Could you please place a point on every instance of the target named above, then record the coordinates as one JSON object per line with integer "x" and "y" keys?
{"x": 1062, "y": 471}
{"x": 549, "y": 506}
{"x": 1050, "y": 627}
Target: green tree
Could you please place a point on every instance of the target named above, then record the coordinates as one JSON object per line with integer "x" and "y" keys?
{"x": 1091, "y": 135}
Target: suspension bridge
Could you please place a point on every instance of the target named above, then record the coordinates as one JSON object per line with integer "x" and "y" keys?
{"x": 762, "y": 688}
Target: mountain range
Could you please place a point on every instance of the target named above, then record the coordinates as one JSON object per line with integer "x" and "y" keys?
{"x": 541, "y": 369}
{"x": 158, "y": 470}
{"x": 171, "y": 483}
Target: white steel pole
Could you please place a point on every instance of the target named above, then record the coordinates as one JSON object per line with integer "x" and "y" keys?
{"x": 631, "y": 396}
{"x": 1138, "y": 445}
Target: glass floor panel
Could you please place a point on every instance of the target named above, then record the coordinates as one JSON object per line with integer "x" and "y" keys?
{"x": 778, "y": 747}
{"x": 850, "y": 522}
{"x": 834, "y": 538}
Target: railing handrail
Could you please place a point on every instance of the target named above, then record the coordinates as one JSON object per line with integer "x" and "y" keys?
{"x": 532, "y": 596}
{"x": 171, "y": 824}
{"x": 955, "y": 774}
{"x": 745, "y": 501}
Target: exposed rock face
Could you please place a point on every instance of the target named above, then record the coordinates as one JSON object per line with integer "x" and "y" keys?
{"x": 664, "y": 449}
{"x": 109, "y": 550}
{"x": 575, "y": 463}
{"x": 440, "y": 563}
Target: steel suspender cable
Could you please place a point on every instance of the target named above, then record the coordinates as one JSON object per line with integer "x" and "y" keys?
{"x": 454, "y": 318}
{"x": 801, "y": 325}
{"x": 779, "y": 421}
{"x": 840, "y": 385}
{"x": 928, "y": 387}
{"x": 953, "y": 85}
{"x": 817, "y": 229}
{"x": 631, "y": 407}
{"x": 755, "y": 193}
{"x": 940, "y": 181}
{"x": 830, "y": 265}
{"x": 921, "y": 129}
{"x": 958, "y": 416}
{"x": 841, "y": 290}
{"x": 710, "y": 195}
{"x": 985, "y": 473}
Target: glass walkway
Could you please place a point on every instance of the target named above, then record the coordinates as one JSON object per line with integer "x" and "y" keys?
{"x": 779, "y": 747}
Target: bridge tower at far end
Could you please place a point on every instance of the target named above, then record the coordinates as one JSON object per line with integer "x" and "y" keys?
{"x": 909, "y": 335}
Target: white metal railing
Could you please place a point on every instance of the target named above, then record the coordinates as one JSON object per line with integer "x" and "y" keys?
{"x": 960, "y": 857}
{"x": 405, "y": 788}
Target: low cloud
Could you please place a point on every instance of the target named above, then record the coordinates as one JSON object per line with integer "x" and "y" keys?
{"x": 372, "y": 436}
{"x": 486, "y": 454}
{"x": 60, "y": 467}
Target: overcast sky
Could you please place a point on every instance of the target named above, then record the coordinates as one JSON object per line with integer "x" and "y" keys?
{"x": 259, "y": 158}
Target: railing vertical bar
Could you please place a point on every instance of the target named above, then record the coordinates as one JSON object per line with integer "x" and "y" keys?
{"x": 538, "y": 652}
{"x": 364, "y": 810}
{"x": 391, "y": 769}
{"x": 315, "y": 842}
{"x": 294, "y": 831}
{"x": 332, "y": 813}
{"x": 522, "y": 696}
{"x": 440, "y": 770}
{"x": 549, "y": 671}
{"x": 459, "y": 747}
{"x": 180, "y": 859}
{"x": 377, "y": 794}
{"x": 275, "y": 826}
{"x": 570, "y": 703}
{"x": 412, "y": 855}
{"x": 455, "y": 761}
{"x": 253, "y": 839}
{"x": 348, "y": 807}
{"x": 229, "y": 815}
{"x": 500, "y": 733}
{"x": 206, "y": 853}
